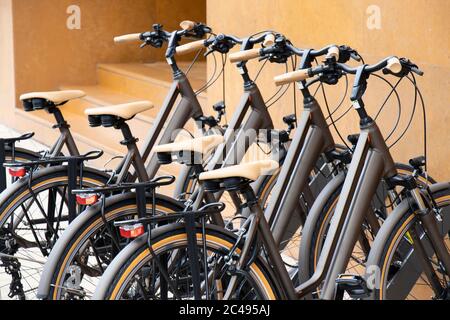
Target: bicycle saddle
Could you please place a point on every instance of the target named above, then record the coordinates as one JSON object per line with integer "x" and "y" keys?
{"x": 40, "y": 100}
{"x": 250, "y": 171}
{"x": 201, "y": 145}
{"x": 190, "y": 151}
{"x": 124, "y": 111}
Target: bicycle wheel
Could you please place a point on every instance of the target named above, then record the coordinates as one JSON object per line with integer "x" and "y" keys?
{"x": 61, "y": 272}
{"x": 32, "y": 217}
{"x": 394, "y": 268}
{"x": 84, "y": 251}
{"x": 315, "y": 233}
{"x": 134, "y": 274}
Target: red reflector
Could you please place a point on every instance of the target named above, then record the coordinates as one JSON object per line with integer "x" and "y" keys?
{"x": 133, "y": 231}
{"x": 87, "y": 199}
{"x": 17, "y": 172}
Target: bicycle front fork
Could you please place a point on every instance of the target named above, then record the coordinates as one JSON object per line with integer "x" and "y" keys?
{"x": 429, "y": 220}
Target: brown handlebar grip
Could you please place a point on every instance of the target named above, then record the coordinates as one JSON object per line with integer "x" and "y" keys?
{"x": 394, "y": 65}
{"x": 269, "y": 40}
{"x": 244, "y": 55}
{"x": 187, "y": 25}
{"x": 190, "y": 47}
{"x": 128, "y": 38}
{"x": 293, "y": 76}
{"x": 333, "y": 52}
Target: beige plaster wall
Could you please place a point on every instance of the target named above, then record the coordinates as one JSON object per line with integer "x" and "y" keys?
{"x": 417, "y": 29}
{"x": 48, "y": 54}
{"x": 6, "y": 57}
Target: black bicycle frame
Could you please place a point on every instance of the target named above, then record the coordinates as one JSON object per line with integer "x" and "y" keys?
{"x": 371, "y": 162}
{"x": 312, "y": 139}
{"x": 187, "y": 108}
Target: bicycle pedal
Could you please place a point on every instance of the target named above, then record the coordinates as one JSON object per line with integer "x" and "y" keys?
{"x": 354, "y": 285}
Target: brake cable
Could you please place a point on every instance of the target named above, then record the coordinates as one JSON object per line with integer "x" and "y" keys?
{"x": 333, "y": 122}
{"x": 210, "y": 80}
{"x": 224, "y": 97}
{"x": 294, "y": 67}
{"x": 343, "y": 98}
{"x": 277, "y": 96}
{"x": 197, "y": 55}
{"x": 399, "y": 113}
{"x": 261, "y": 69}
{"x": 424, "y": 113}
{"x": 222, "y": 71}
{"x": 411, "y": 118}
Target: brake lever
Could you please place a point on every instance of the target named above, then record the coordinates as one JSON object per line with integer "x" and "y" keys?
{"x": 407, "y": 67}
{"x": 347, "y": 53}
{"x": 417, "y": 71}
{"x": 355, "y": 56}
{"x": 312, "y": 81}
{"x": 411, "y": 66}
{"x": 199, "y": 31}
{"x": 264, "y": 58}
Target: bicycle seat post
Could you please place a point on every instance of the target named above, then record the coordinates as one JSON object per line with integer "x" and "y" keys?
{"x": 133, "y": 151}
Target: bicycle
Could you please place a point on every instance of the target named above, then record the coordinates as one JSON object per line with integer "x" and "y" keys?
{"x": 65, "y": 252}
{"x": 240, "y": 259}
{"x": 349, "y": 213}
{"x": 39, "y": 194}
{"x": 51, "y": 102}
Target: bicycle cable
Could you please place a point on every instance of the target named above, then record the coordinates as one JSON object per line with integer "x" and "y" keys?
{"x": 197, "y": 56}
{"x": 343, "y": 98}
{"x": 417, "y": 96}
{"x": 277, "y": 96}
{"x": 332, "y": 120}
{"x": 213, "y": 78}
{"x": 399, "y": 113}
{"x": 294, "y": 67}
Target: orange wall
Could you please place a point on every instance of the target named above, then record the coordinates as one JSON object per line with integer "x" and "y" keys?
{"x": 47, "y": 54}
{"x": 417, "y": 29}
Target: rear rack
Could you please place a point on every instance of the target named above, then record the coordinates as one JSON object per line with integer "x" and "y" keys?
{"x": 91, "y": 155}
{"x": 155, "y": 183}
{"x": 74, "y": 171}
{"x": 9, "y": 143}
{"x": 211, "y": 208}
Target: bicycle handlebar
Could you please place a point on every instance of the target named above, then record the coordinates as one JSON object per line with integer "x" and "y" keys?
{"x": 245, "y": 55}
{"x": 331, "y": 51}
{"x": 187, "y": 25}
{"x": 158, "y": 35}
{"x": 267, "y": 39}
{"x": 190, "y": 47}
{"x": 393, "y": 64}
{"x": 293, "y": 76}
{"x": 128, "y": 38}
